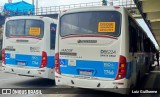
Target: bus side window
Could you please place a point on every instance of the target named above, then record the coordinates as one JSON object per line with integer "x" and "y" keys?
{"x": 138, "y": 40}
{"x": 146, "y": 44}
{"x": 52, "y": 35}
{"x": 130, "y": 40}
{"x": 133, "y": 36}
{"x": 142, "y": 43}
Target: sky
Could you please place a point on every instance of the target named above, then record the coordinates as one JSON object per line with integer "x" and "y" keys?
{"x": 47, "y": 3}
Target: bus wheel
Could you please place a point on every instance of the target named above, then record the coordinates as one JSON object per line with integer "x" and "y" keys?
{"x": 138, "y": 81}
{"x": 130, "y": 90}
{"x": 132, "y": 87}
{"x": 149, "y": 68}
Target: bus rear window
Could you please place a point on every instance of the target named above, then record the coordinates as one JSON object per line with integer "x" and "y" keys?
{"x": 25, "y": 27}
{"x": 98, "y": 22}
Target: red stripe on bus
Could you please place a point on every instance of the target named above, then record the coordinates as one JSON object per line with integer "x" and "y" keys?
{"x": 102, "y": 36}
{"x": 24, "y": 37}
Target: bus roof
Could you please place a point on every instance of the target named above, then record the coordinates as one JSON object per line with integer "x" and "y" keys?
{"x": 94, "y": 8}
{"x": 26, "y": 17}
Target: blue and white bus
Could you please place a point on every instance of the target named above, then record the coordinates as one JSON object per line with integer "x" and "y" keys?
{"x": 29, "y": 46}
{"x": 100, "y": 48}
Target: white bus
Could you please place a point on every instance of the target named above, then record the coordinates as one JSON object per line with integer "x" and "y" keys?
{"x": 100, "y": 48}
{"x": 29, "y": 46}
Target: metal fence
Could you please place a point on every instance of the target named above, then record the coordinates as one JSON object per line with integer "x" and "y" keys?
{"x": 58, "y": 9}
{"x": 124, "y": 3}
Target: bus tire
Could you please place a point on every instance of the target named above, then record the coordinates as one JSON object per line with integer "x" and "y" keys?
{"x": 132, "y": 87}
{"x": 130, "y": 90}
{"x": 150, "y": 67}
{"x": 138, "y": 81}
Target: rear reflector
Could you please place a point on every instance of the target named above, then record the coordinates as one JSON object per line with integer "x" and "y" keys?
{"x": 57, "y": 67}
{"x": 3, "y": 56}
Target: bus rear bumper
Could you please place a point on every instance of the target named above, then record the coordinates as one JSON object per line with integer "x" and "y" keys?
{"x": 116, "y": 86}
{"x": 35, "y": 72}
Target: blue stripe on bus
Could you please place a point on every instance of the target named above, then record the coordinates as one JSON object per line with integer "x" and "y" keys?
{"x": 29, "y": 60}
{"x": 98, "y": 68}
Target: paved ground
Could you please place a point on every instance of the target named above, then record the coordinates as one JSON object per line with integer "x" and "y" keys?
{"x": 7, "y": 80}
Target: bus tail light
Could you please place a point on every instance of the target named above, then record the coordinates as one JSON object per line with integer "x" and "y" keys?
{"x": 3, "y": 56}
{"x": 44, "y": 59}
{"x": 57, "y": 67}
{"x": 122, "y": 68}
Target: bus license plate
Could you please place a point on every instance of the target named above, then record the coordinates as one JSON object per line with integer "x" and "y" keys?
{"x": 85, "y": 73}
{"x": 20, "y": 63}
